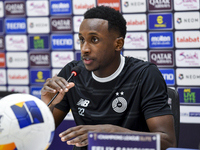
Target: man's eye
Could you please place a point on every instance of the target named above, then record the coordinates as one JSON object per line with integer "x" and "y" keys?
{"x": 81, "y": 40}
{"x": 95, "y": 39}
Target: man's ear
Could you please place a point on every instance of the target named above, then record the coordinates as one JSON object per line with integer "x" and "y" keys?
{"x": 119, "y": 43}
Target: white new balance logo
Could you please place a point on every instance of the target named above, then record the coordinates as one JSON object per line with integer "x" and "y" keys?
{"x": 83, "y": 102}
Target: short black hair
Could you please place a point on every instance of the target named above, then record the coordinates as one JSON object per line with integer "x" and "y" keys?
{"x": 115, "y": 19}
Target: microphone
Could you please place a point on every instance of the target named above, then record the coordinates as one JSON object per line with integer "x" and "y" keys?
{"x": 75, "y": 71}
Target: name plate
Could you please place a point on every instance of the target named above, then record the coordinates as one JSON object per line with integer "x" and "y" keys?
{"x": 122, "y": 141}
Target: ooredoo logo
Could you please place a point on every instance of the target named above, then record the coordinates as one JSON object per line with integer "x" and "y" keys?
{"x": 130, "y": 6}
{"x": 2, "y": 60}
{"x": 62, "y": 25}
{"x": 15, "y": 8}
{"x": 136, "y": 22}
{"x": 18, "y": 77}
{"x": 135, "y": 40}
{"x": 16, "y": 42}
{"x": 59, "y": 59}
{"x": 80, "y": 6}
{"x": 110, "y": 3}
{"x": 37, "y": 8}
{"x": 187, "y": 39}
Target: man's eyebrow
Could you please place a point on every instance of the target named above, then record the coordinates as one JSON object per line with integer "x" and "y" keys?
{"x": 92, "y": 33}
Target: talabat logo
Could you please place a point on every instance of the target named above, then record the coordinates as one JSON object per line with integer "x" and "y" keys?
{"x": 39, "y": 76}
{"x": 17, "y": 60}
{"x": 37, "y": 8}
{"x": 28, "y": 109}
{"x": 1, "y": 9}
{"x": 15, "y": 25}
{"x": 36, "y": 91}
{"x": 60, "y": 7}
{"x": 129, "y": 6}
{"x": 188, "y": 76}
{"x": 160, "y": 21}
{"x": 189, "y": 95}
{"x": 161, "y": 40}
{"x": 16, "y": 42}
{"x": 187, "y": 39}
{"x": 2, "y": 76}
{"x": 185, "y": 58}
{"x": 136, "y": 40}
{"x": 159, "y": 5}
{"x": 2, "y": 60}
{"x": 168, "y": 75}
{"x": 62, "y": 42}
{"x": 136, "y": 22}
{"x": 61, "y": 25}
{"x": 110, "y": 3}
{"x": 162, "y": 58}
{"x": 59, "y": 59}
{"x": 18, "y": 76}
{"x": 39, "y": 42}
{"x": 186, "y": 20}
{"x": 39, "y": 59}
{"x": 80, "y": 6}
{"x": 186, "y": 4}
{"x": 2, "y": 46}
{"x": 38, "y": 25}
{"x": 15, "y": 8}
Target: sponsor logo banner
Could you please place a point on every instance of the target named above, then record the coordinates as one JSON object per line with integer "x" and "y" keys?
{"x": 186, "y": 58}
{"x": 1, "y": 26}
{"x": 3, "y": 88}
{"x": 2, "y": 45}
{"x": 15, "y": 8}
{"x": 60, "y": 7}
{"x": 39, "y": 76}
{"x": 61, "y": 25}
{"x": 136, "y": 22}
{"x": 187, "y": 39}
{"x": 168, "y": 75}
{"x": 18, "y": 76}
{"x": 2, "y": 77}
{"x": 186, "y": 5}
{"x": 161, "y": 5}
{"x": 110, "y": 3}
{"x": 186, "y": 20}
{"x": 37, "y": 8}
{"x": 189, "y": 95}
{"x": 80, "y": 6}
{"x": 1, "y": 9}
{"x": 190, "y": 114}
{"x": 77, "y": 55}
{"x": 160, "y": 21}
{"x": 188, "y": 76}
{"x": 39, "y": 42}
{"x": 62, "y": 42}
{"x": 77, "y": 22}
{"x": 38, "y": 25}
{"x": 15, "y": 25}
{"x": 77, "y": 42}
{"x": 20, "y": 89}
{"x": 162, "y": 58}
{"x": 40, "y": 59}
{"x": 161, "y": 40}
{"x": 129, "y": 6}
{"x": 60, "y": 59}
{"x": 2, "y": 60}
{"x": 137, "y": 54}
{"x": 136, "y": 40}
{"x": 17, "y": 60}
{"x": 36, "y": 91}
{"x": 16, "y": 42}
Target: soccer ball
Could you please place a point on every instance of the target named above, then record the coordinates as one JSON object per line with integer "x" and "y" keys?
{"x": 26, "y": 123}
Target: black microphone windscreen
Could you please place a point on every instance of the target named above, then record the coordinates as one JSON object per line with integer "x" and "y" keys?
{"x": 76, "y": 69}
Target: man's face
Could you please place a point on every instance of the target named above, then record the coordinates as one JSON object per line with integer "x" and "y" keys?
{"x": 97, "y": 45}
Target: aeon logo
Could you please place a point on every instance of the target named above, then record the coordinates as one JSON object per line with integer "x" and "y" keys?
{"x": 179, "y": 2}
{"x": 135, "y": 39}
{"x": 188, "y": 56}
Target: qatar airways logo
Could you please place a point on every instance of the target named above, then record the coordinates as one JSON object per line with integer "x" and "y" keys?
{"x": 37, "y": 8}
{"x": 136, "y": 40}
{"x": 16, "y": 42}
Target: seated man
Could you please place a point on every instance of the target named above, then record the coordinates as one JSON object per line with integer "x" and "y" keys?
{"x": 112, "y": 93}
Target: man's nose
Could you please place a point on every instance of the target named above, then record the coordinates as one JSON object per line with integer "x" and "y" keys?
{"x": 85, "y": 48}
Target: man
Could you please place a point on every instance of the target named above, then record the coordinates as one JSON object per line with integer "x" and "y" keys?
{"x": 112, "y": 93}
